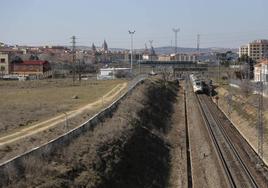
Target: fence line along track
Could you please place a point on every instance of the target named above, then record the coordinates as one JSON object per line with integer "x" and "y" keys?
{"x": 238, "y": 158}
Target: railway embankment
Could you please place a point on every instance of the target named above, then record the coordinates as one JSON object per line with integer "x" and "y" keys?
{"x": 129, "y": 148}
{"x": 242, "y": 111}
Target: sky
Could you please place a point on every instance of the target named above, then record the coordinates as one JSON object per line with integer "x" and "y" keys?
{"x": 220, "y": 23}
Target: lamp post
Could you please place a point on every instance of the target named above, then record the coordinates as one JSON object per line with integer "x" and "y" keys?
{"x": 131, "y": 58}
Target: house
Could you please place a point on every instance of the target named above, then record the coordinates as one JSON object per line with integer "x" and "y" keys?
{"x": 261, "y": 71}
{"x": 31, "y": 67}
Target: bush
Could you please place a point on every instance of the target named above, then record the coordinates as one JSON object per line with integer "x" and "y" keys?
{"x": 122, "y": 74}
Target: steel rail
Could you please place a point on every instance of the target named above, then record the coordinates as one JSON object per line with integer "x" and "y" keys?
{"x": 205, "y": 103}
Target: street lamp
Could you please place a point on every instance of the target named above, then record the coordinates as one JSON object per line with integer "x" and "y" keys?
{"x": 131, "y": 58}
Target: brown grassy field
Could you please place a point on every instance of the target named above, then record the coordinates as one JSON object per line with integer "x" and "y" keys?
{"x": 26, "y": 103}
{"x": 131, "y": 146}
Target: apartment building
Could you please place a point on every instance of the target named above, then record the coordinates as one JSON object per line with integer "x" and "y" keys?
{"x": 256, "y": 50}
{"x": 4, "y": 63}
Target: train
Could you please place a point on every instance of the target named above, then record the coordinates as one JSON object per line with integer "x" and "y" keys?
{"x": 198, "y": 85}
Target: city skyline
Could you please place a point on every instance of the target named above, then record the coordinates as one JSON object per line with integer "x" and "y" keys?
{"x": 220, "y": 23}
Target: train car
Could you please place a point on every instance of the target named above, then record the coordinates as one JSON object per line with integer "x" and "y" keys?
{"x": 193, "y": 78}
{"x": 198, "y": 86}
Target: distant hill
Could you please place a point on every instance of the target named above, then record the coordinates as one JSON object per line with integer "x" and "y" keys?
{"x": 169, "y": 50}
{"x": 163, "y": 50}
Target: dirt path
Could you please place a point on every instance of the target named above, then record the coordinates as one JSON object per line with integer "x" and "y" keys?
{"x": 39, "y": 127}
{"x": 177, "y": 138}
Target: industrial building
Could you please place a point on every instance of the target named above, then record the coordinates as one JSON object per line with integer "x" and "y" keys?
{"x": 183, "y": 57}
{"x": 109, "y": 73}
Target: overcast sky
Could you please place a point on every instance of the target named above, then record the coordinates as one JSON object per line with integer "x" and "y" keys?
{"x": 221, "y": 23}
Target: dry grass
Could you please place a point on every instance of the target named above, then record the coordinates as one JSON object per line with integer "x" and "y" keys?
{"x": 25, "y": 103}
{"x": 244, "y": 115}
{"x": 118, "y": 148}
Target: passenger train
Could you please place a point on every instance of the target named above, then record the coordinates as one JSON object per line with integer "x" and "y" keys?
{"x": 197, "y": 84}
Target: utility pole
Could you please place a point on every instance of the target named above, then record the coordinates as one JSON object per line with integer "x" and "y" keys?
{"x": 198, "y": 44}
{"x": 176, "y": 39}
{"x": 260, "y": 117}
{"x": 131, "y": 58}
{"x": 230, "y": 101}
{"x": 219, "y": 65}
{"x": 74, "y": 56}
{"x": 151, "y": 45}
{"x": 79, "y": 70}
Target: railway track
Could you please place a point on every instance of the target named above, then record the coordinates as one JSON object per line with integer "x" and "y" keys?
{"x": 240, "y": 162}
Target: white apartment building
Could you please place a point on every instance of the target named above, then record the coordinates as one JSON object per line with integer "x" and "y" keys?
{"x": 261, "y": 71}
{"x": 256, "y": 50}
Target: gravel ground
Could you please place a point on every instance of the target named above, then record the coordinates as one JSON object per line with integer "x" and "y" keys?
{"x": 206, "y": 168}
{"x": 177, "y": 138}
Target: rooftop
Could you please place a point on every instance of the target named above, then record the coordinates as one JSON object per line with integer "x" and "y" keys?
{"x": 260, "y": 41}
{"x": 34, "y": 62}
{"x": 262, "y": 62}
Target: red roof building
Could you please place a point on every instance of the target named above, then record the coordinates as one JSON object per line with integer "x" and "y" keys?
{"x": 31, "y": 67}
